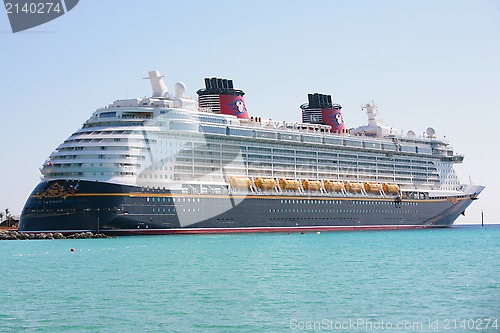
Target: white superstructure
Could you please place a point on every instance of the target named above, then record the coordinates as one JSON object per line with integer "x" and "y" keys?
{"x": 165, "y": 141}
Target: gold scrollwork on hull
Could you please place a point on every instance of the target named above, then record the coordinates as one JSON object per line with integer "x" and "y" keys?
{"x": 55, "y": 191}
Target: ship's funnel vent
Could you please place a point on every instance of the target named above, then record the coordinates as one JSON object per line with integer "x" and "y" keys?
{"x": 319, "y": 101}
{"x": 219, "y": 86}
{"x": 321, "y": 110}
{"x": 219, "y": 96}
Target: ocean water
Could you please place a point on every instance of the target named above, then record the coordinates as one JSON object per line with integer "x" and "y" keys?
{"x": 442, "y": 280}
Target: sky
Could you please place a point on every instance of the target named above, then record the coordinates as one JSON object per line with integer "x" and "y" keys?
{"x": 424, "y": 63}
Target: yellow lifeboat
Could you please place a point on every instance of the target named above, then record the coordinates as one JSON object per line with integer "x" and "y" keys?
{"x": 372, "y": 187}
{"x": 333, "y": 185}
{"x": 355, "y": 187}
{"x": 265, "y": 183}
{"x": 311, "y": 185}
{"x": 391, "y": 188}
{"x": 240, "y": 182}
{"x": 289, "y": 184}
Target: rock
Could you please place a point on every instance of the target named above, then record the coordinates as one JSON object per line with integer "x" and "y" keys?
{"x": 14, "y": 235}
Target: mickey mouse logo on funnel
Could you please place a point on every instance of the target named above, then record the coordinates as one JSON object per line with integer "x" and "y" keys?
{"x": 26, "y": 14}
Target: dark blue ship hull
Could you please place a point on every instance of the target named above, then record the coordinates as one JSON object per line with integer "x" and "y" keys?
{"x": 75, "y": 206}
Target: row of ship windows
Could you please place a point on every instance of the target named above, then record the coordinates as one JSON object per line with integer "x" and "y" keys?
{"x": 185, "y": 162}
{"x": 119, "y": 132}
{"x": 342, "y": 218}
{"x": 396, "y": 210}
{"x": 412, "y": 149}
{"x": 257, "y": 153}
{"x": 333, "y": 164}
{"x": 261, "y": 155}
{"x": 174, "y": 115}
{"x": 169, "y": 199}
{"x": 387, "y": 146}
{"x": 267, "y": 155}
{"x": 108, "y": 123}
{"x": 188, "y": 175}
{"x": 343, "y": 174}
{"x": 313, "y": 168}
{"x": 189, "y": 138}
{"x": 338, "y": 202}
{"x": 156, "y": 176}
{"x": 100, "y": 156}
{"x": 258, "y": 149}
{"x": 309, "y": 167}
{"x": 202, "y": 170}
{"x": 163, "y": 210}
{"x": 128, "y": 140}
{"x": 90, "y": 149}
{"x": 326, "y": 163}
{"x": 355, "y": 169}
{"x": 79, "y": 174}
{"x": 173, "y": 210}
{"x": 193, "y": 210}
{"x": 294, "y": 201}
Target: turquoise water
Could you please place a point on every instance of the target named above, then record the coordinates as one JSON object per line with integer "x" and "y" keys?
{"x": 255, "y": 282}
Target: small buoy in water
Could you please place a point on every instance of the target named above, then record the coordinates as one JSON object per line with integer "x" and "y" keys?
{"x": 72, "y": 250}
{"x": 317, "y": 233}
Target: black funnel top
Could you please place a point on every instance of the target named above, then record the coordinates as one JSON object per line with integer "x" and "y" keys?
{"x": 219, "y": 86}
{"x": 320, "y": 101}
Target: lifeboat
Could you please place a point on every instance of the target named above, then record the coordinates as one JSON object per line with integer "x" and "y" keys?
{"x": 311, "y": 185}
{"x": 355, "y": 187}
{"x": 265, "y": 183}
{"x": 391, "y": 188}
{"x": 372, "y": 187}
{"x": 333, "y": 185}
{"x": 289, "y": 184}
{"x": 240, "y": 182}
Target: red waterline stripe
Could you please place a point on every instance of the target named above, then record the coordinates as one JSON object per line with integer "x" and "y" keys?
{"x": 262, "y": 229}
{"x": 131, "y": 232}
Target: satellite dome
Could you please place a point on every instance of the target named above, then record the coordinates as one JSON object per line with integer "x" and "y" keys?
{"x": 411, "y": 134}
{"x": 179, "y": 89}
{"x": 430, "y": 132}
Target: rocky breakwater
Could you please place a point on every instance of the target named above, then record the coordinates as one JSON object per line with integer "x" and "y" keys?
{"x": 15, "y": 235}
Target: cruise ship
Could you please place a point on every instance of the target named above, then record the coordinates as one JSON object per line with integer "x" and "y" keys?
{"x": 170, "y": 164}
